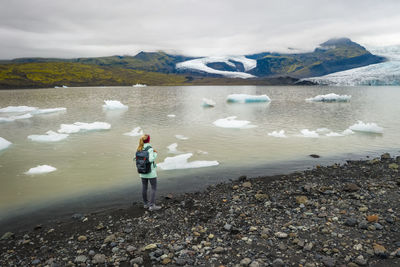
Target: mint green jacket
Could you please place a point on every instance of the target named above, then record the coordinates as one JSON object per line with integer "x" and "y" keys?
{"x": 152, "y": 158}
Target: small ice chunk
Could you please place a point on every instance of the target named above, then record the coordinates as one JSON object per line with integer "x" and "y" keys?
{"x": 172, "y": 148}
{"x": 11, "y": 109}
{"x": 82, "y": 126}
{"x": 64, "y": 86}
{"x": 208, "y": 102}
{"x": 201, "y": 152}
{"x": 181, "y": 162}
{"x": 243, "y": 98}
{"x": 14, "y": 118}
{"x": 48, "y": 110}
{"x": 231, "y": 122}
{"x": 333, "y": 134}
{"x": 347, "y": 132}
{"x": 114, "y": 104}
{"x": 323, "y": 130}
{"x": 369, "y": 127}
{"x": 41, "y": 169}
{"x": 309, "y": 134}
{"x": 181, "y": 137}
{"x": 139, "y": 85}
{"x": 50, "y": 136}
{"x": 4, "y": 143}
{"x": 280, "y": 134}
{"x": 171, "y": 115}
{"x": 135, "y": 132}
{"x": 330, "y": 98}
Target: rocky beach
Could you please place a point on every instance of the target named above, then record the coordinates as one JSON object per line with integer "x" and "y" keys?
{"x": 339, "y": 215}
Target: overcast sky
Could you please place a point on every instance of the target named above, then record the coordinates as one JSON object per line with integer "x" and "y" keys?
{"x": 85, "y": 28}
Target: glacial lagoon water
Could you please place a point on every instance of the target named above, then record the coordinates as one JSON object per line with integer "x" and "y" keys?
{"x": 100, "y": 161}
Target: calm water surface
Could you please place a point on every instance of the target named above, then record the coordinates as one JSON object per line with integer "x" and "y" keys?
{"x": 102, "y": 160}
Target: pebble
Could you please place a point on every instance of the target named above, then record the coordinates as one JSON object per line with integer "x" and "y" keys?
{"x": 81, "y": 259}
{"x": 350, "y": 222}
{"x": 281, "y": 235}
{"x": 329, "y": 261}
{"x": 245, "y": 261}
{"x": 137, "y": 260}
{"x": 82, "y": 238}
{"x": 278, "y": 263}
{"x": 99, "y": 258}
{"x": 7, "y": 235}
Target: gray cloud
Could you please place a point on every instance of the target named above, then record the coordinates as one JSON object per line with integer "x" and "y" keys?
{"x": 63, "y": 28}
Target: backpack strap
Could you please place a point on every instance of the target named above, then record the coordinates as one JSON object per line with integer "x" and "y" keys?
{"x": 147, "y": 148}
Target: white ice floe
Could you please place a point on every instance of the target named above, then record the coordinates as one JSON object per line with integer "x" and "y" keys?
{"x": 82, "y": 126}
{"x": 309, "y": 134}
{"x": 14, "y": 118}
{"x": 171, "y": 115}
{"x": 181, "y": 137}
{"x": 200, "y": 64}
{"x": 231, "y": 122}
{"x": 330, "y": 98}
{"x": 280, "y": 134}
{"x": 4, "y": 143}
{"x": 369, "y": 127}
{"x": 323, "y": 130}
{"x": 50, "y": 136}
{"x": 244, "y": 98}
{"x": 344, "y": 133}
{"x": 181, "y": 162}
{"x": 139, "y": 85}
{"x": 208, "y": 102}
{"x": 135, "y": 132}
{"x": 47, "y": 110}
{"x": 41, "y": 169}
{"x": 64, "y": 86}
{"x": 12, "y": 109}
{"x": 172, "y": 148}
{"x": 114, "y": 104}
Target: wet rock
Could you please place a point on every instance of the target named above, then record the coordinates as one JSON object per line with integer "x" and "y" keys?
{"x": 99, "y": 258}
{"x": 281, "y": 235}
{"x": 81, "y": 259}
{"x": 350, "y": 187}
{"x": 278, "y": 263}
{"x": 246, "y": 185}
{"x": 110, "y": 238}
{"x": 315, "y": 156}
{"x": 245, "y": 261}
{"x": 350, "y": 221}
{"x": 7, "y": 235}
{"x": 385, "y": 156}
{"x": 301, "y": 200}
{"x": 380, "y": 251}
{"x": 82, "y": 238}
{"x": 137, "y": 260}
{"x": 329, "y": 261}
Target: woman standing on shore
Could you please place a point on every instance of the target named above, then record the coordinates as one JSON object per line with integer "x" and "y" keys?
{"x": 144, "y": 144}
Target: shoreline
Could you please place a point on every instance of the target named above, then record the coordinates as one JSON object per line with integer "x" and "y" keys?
{"x": 344, "y": 214}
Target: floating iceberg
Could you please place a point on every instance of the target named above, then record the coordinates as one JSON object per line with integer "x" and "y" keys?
{"x": 64, "y": 86}
{"x": 4, "y": 143}
{"x": 330, "y": 98}
{"x": 139, "y": 85}
{"x": 309, "y": 134}
{"x": 366, "y": 127}
{"x": 12, "y": 109}
{"x": 47, "y": 110}
{"x": 114, "y": 104}
{"x": 14, "y": 118}
{"x": 50, "y": 136}
{"x": 135, "y": 132}
{"x": 41, "y": 169}
{"x": 181, "y": 137}
{"x": 172, "y": 148}
{"x": 200, "y": 64}
{"x": 181, "y": 162}
{"x": 344, "y": 133}
{"x": 280, "y": 134}
{"x": 171, "y": 115}
{"x": 82, "y": 126}
{"x": 243, "y": 98}
{"x": 208, "y": 102}
{"x": 231, "y": 122}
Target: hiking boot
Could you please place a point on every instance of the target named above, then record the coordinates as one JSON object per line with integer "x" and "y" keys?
{"x": 146, "y": 206}
{"x": 154, "y": 207}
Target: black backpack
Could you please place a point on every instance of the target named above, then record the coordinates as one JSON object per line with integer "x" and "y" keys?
{"x": 143, "y": 164}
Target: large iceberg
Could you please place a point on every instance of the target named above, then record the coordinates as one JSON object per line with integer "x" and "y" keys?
{"x": 47, "y": 110}
{"x": 20, "y": 109}
{"x": 114, "y": 104}
{"x": 330, "y": 98}
{"x": 14, "y": 118}
{"x": 231, "y": 122}
{"x": 244, "y": 98}
{"x": 50, "y": 136}
{"x": 41, "y": 169}
{"x": 4, "y": 143}
{"x": 279, "y": 134}
{"x": 181, "y": 162}
{"x": 200, "y": 64}
{"x": 369, "y": 127}
{"x": 82, "y": 126}
{"x": 135, "y": 132}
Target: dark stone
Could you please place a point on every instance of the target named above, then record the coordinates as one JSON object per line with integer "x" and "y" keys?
{"x": 242, "y": 178}
{"x": 315, "y": 156}
{"x": 350, "y": 187}
{"x": 350, "y": 222}
{"x": 78, "y": 216}
{"x": 363, "y": 225}
{"x": 328, "y": 261}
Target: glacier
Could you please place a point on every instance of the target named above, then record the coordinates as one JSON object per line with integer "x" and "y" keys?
{"x": 231, "y": 122}
{"x": 200, "y": 64}
{"x": 181, "y": 162}
{"x": 244, "y": 98}
{"x": 330, "y": 98}
{"x": 50, "y": 136}
{"x": 114, "y": 104}
{"x": 4, "y": 143}
{"x": 41, "y": 169}
{"x": 82, "y": 126}
{"x": 135, "y": 132}
{"x": 369, "y": 127}
{"x": 385, "y": 73}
